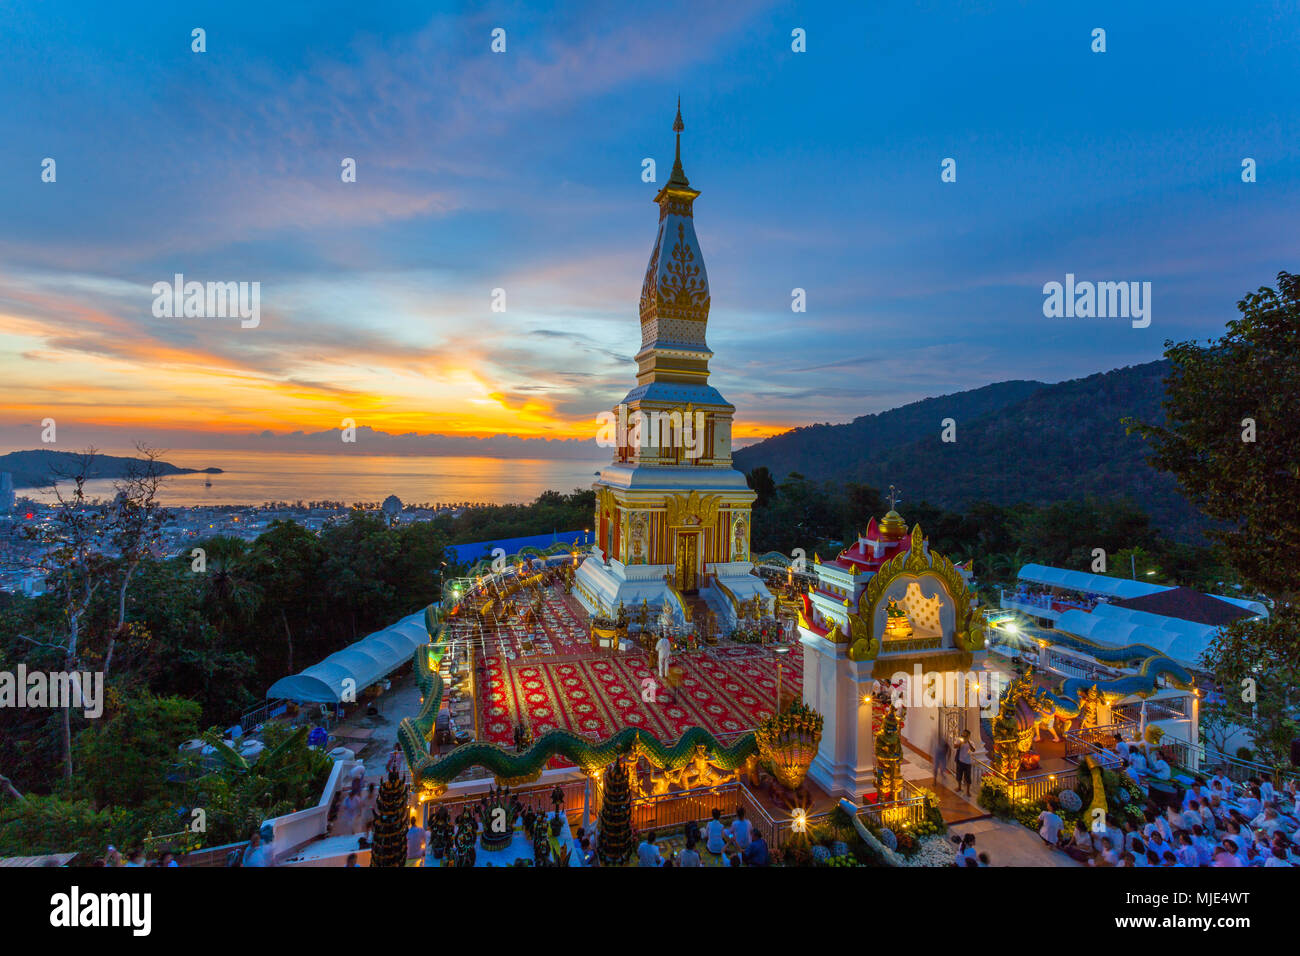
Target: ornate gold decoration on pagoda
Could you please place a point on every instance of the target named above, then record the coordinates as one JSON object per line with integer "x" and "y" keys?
{"x": 692, "y": 509}
{"x": 682, "y": 292}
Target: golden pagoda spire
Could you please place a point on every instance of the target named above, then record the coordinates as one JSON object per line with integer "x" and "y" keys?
{"x": 679, "y": 175}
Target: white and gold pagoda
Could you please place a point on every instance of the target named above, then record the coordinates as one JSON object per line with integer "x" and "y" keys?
{"x": 672, "y": 515}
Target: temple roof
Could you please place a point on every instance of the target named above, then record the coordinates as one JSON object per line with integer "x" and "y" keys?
{"x": 1187, "y": 605}
{"x": 861, "y": 554}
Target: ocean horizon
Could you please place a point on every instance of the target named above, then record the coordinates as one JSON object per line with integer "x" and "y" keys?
{"x": 252, "y": 478}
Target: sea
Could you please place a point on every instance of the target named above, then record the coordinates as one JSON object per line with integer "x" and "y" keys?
{"x": 252, "y": 478}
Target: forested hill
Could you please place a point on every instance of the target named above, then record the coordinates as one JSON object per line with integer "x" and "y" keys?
{"x": 826, "y": 451}
{"x": 1016, "y": 441}
{"x": 36, "y": 468}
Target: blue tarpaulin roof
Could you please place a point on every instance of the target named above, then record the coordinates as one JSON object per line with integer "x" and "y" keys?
{"x": 470, "y": 553}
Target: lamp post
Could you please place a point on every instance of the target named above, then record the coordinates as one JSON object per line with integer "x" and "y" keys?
{"x": 780, "y": 663}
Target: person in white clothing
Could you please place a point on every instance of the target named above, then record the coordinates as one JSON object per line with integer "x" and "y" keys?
{"x": 414, "y": 841}
{"x": 1278, "y": 858}
{"x": 1050, "y": 829}
{"x": 741, "y": 830}
{"x": 647, "y": 853}
{"x": 716, "y": 834}
{"x": 664, "y": 651}
{"x": 1137, "y": 763}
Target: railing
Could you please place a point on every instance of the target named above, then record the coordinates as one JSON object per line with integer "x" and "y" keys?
{"x": 1166, "y": 708}
{"x": 1088, "y": 740}
{"x": 669, "y": 811}
{"x": 1037, "y": 786}
{"x": 1240, "y": 771}
{"x": 178, "y": 842}
{"x": 677, "y": 599}
{"x": 905, "y": 812}
{"x": 1093, "y": 742}
{"x": 212, "y": 855}
{"x": 673, "y": 810}
{"x": 260, "y": 715}
{"x": 782, "y": 830}
{"x": 1078, "y": 667}
{"x": 1032, "y": 787}
{"x": 574, "y": 791}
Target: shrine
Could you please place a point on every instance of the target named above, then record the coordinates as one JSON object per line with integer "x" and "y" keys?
{"x": 886, "y": 613}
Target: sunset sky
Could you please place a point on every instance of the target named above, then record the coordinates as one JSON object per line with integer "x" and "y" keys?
{"x": 522, "y": 171}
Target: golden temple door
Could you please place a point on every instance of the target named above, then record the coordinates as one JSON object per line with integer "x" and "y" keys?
{"x": 687, "y": 555}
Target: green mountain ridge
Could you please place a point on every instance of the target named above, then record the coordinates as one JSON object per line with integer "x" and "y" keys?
{"x": 1016, "y": 441}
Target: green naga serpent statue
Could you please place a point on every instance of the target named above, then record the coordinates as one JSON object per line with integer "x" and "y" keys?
{"x": 432, "y": 774}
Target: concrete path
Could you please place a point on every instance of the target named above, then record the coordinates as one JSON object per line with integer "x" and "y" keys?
{"x": 1010, "y": 844}
{"x": 403, "y": 700}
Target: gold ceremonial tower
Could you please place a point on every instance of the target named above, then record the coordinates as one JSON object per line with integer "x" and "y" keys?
{"x": 672, "y": 513}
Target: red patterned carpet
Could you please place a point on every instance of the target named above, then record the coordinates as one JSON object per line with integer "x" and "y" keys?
{"x": 723, "y": 689}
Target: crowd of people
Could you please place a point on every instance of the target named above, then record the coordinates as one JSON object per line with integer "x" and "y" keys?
{"x": 1049, "y": 598}
{"x": 1218, "y": 823}
{"x": 740, "y": 844}
{"x": 137, "y": 857}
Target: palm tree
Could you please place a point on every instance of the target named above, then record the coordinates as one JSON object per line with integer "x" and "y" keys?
{"x": 228, "y": 594}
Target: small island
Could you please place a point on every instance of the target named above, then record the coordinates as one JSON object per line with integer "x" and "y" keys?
{"x": 39, "y": 467}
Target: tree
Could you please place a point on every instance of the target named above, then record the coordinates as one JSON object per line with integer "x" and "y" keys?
{"x": 237, "y": 794}
{"x": 1232, "y": 439}
{"x": 286, "y": 560}
{"x": 1257, "y": 668}
{"x": 126, "y": 756}
{"x": 762, "y": 483}
{"x": 51, "y": 824}
{"x": 616, "y": 833}
{"x": 76, "y": 541}
{"x": 136, "y": 528}
{"x": 229, "y": 594}
{"x": 1232, "y": 434}
{"x": 390, "y": 823}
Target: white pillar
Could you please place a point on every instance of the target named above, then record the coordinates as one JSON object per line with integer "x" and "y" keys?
{"x": 835, "y": 686}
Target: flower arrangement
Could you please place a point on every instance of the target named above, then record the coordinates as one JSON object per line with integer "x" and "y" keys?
{"x": 1071, "y": 802}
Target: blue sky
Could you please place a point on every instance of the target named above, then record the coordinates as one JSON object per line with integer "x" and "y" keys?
{"x": 818, "y": 170}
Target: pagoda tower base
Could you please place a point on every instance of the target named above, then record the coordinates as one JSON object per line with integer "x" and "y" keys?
{"x": 600, "y": 584}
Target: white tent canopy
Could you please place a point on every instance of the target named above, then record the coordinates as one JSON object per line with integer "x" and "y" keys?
{"x": 1121, "y": 588}
{"x": 367, "y": 661}
{"x": 1184, "y": 641}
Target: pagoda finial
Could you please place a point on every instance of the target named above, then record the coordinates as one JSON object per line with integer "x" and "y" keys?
{"x": 679, "y": 175}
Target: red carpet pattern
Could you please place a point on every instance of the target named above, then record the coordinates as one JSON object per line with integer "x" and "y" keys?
{"x": 725, "y": 690}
